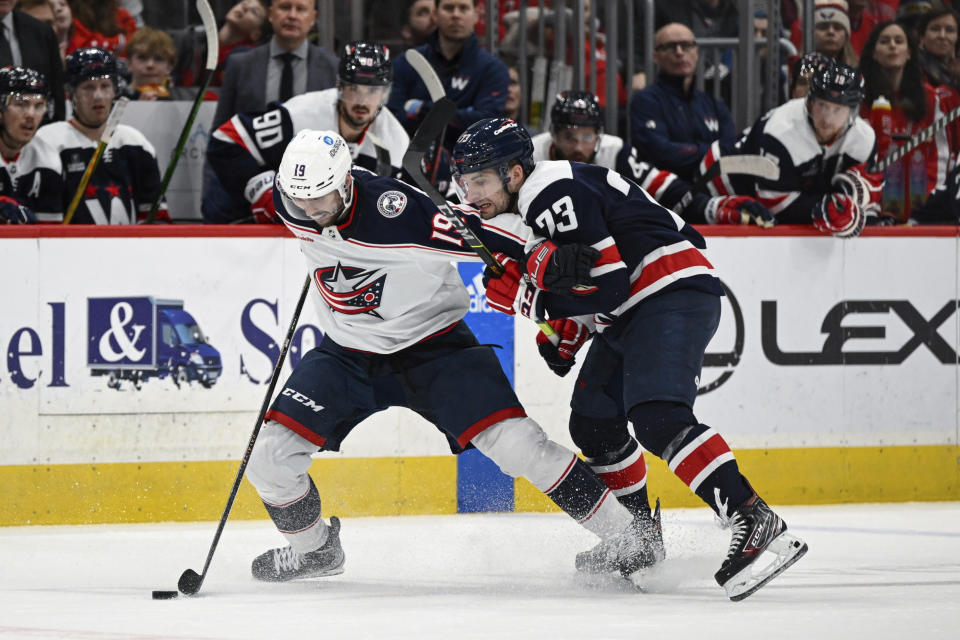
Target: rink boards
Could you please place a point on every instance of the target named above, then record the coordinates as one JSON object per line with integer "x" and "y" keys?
{"x": 833, "y": 376}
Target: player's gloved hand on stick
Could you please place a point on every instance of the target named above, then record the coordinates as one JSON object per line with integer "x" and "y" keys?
{"x": 12, "y": 212}
{"x": 837, "y": 213}
{"x": 413, "y": 107}
{"x": 563, "y": 269}
{"x": 510, "y": 292}
{"x": 738, "y": 210}
{"x": 863, "y": 187}
{"x": 560, "y": 358}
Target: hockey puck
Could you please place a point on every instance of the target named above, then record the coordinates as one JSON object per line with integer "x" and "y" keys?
{"x": 165, "y": 595}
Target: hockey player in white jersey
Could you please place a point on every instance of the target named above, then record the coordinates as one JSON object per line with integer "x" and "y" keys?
{"x": 822, "y": 147}
{"x": 391, "y": 304}
{"x": 25, "y": 187}
{"x": 245, "y": 151}
{"x": 125, "y": 183}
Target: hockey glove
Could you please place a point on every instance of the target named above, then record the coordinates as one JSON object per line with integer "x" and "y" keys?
{"x": 560, "y": 358}
{"x": 738, "y": 210}
{"x": 838, "y": 214}
{"x": 12, "y": 212}
{"x": 510, "y": 292}
{"x": 863, "y": 187}
{"x": 562, "y": 269}
{"x": 259, "y": 193}
{"x": 413, "y": 107}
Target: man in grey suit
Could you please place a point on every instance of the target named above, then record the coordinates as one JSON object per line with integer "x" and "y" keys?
{"x": 28, "y": 42}
{"x": 286, "y": 66}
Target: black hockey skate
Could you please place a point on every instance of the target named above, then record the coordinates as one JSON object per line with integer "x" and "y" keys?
{"x": 757, "y": 532}
{"x": 281, "y": 565}
{"x": 640, "y": 546}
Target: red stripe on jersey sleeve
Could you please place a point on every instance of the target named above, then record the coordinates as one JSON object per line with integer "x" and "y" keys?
{"x": 668, "y": 264}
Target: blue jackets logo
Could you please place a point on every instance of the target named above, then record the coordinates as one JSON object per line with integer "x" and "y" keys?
{"x": 137, "y": 338}
{"x": 350, "y": 290}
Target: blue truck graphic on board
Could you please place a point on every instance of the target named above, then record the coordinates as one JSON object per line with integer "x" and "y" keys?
{"x": 138, "y": 338}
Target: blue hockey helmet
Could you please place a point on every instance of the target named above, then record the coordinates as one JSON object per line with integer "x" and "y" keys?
{"x": 576, "y": 108}
{"x": 90, "y": 63}
{"x": 365, "y": 63}
{"x": 493, "y": 143}
{"x": 21, "y": 81}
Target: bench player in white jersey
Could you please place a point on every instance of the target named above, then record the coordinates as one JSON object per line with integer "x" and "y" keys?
{"x": 391, "y": 304}
{"x": 822, "y": 147}
{"x": 652, "y": 305}
{"x": 576, "y": 134}
{"x": 25, "y": 187}
{"x": 127, "y": 180}
{"x": 245, "y": 151}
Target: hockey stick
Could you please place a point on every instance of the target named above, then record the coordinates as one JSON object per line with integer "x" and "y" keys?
{"x": 436, "y": 120}
{"x": 108, "y": 130}
{"x": 751, "y": 165}
{"x": 915, "y": 141}
{"x": 213, "y": 53}
{"x": 191, "y": 581}
{"x": 435, "y": 88}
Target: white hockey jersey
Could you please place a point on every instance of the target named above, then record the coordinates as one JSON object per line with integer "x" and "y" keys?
{"x": 608, "y": 154}
{"x": 29, "y": 179}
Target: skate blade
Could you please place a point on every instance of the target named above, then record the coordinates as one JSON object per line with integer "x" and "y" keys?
{"x": 786, "y": 549}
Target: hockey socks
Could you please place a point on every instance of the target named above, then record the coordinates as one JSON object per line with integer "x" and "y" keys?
{"x": 624, "y": 472}
{"x": 700, "y": 457}
{"x": 299, "y": 520}
{"x": 580, "y": 493}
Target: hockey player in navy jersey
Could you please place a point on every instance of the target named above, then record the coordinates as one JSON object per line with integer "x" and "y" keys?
{"x": 652, "y": 305}
{"x": 127, "y": 180}
{"x": 25, "y": 187}
{"x": 245, "y": 151}
{"x": 822, "y": 147}
{"x": 391, "y": 304}
{"x": 576, "y": 134}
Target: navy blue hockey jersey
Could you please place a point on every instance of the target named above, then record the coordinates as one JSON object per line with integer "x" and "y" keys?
{"x": 645, "y": 248}
{"x": 385, "y": 276}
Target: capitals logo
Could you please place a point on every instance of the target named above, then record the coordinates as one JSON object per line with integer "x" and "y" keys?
{"x": 350, "y": 290}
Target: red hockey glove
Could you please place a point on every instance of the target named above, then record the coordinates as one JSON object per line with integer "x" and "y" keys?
{"x": 510, "y": 292}
{"x": 259, "y": 193}
{"x": 738, "y": 210}
{"x": 560, "y": 358}
{"x": 838, "y": 214}
{"x": 863, "y": 187}
{"x": 562, "y": 269}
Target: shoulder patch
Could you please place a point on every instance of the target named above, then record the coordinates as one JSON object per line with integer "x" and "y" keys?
{"x": 391, "y": 203}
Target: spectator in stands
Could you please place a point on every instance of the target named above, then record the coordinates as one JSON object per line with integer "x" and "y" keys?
{"x": 63, "y": 24}
{"x": 511, "y": 107}
{"x": 242, "y": 29}
{"x": 103, "y": 24}
{"x": 421, "y": 22}
{"x": 473, "y": 78}
{"x": 26, "y": 190}
{"x": 673, "y": 124}
{"x": 909, "y": 13}
{"x": 151, "y": 57}
{"x": 899, "y": 103}
{"x": 286, "y": 66}
{"x": 864, "y": 16}
{"x": 135, "y": 9}
{"x": 706, "y": 18}
{"x": 42, "y": 10}
{"x": 30, "y": 43}
{"x": 127, "y": 180}
{"x": 831, "y": 31}
{"x": 937, "y": 48}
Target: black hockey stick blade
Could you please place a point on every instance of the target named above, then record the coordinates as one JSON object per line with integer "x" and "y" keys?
{"x": 190, "y": 582}
{"x": 434, "y": 122}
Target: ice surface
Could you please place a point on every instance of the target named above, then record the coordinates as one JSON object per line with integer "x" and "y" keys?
{"x": 873, "y": 571}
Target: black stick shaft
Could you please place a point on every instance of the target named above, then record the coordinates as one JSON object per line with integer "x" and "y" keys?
{"x": 253, "y": 437}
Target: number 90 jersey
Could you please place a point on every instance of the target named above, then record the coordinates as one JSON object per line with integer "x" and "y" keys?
{"x": 386, "y": 277}
{"x": 645, "y": 248}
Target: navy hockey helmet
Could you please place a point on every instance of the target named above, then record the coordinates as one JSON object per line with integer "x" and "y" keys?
{"x": 365, "y": 63}
{"x": 22, "y": 81}
{"x": 493, "y": 144}
{"x": 838, "y": 83}
{"x": 90, "y": 63}
{"x": 576, "y": 109}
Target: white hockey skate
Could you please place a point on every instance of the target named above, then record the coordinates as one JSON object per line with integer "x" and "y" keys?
{"x": 283, "y": 564}
{"x": 639, "y": 547}
{"x": 760, "y": 549}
